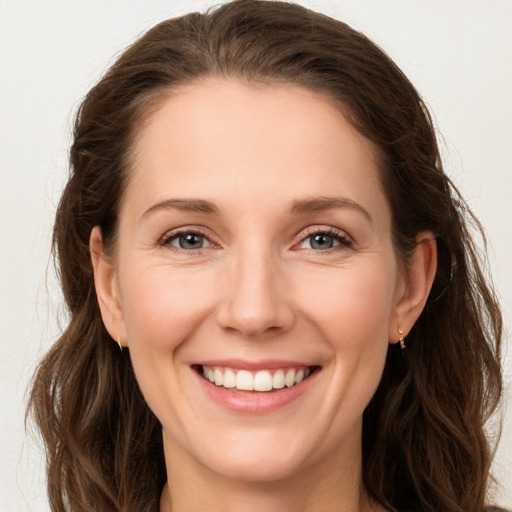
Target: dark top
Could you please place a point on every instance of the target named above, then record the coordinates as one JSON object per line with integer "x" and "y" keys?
{"x": 487, "y": 509}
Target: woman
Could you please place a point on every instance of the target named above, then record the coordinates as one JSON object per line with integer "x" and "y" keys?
{"x": 257, "y": 214}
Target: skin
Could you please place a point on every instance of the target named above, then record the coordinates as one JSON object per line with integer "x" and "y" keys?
{"x": 258, "y": 288}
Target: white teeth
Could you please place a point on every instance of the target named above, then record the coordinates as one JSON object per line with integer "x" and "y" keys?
{"x": 263, "y": 380}
{"x": 290, "y": 378}
{"x": 229, "y": 380}
{"x": 244, "y": 380}
{"x": 278, "y": 380}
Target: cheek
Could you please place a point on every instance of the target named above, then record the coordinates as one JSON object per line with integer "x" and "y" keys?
{"x": 352, "y": 309}
{"x": 162, "y": 306}
{"x": 351, "y": 306}
{"x": 162, "y": 309}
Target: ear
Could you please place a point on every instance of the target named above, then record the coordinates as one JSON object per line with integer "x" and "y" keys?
{"x": 106, "y": 284}
{"x": 418, "y": 277}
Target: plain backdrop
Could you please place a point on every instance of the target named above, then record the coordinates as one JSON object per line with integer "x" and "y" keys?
{"x": 458, "y": 53}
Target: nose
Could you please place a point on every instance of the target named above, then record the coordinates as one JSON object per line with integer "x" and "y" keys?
{"x": 256, "y": 299}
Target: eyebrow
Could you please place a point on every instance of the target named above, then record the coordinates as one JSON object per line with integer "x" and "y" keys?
{"x": 320, "y": 204}
{"x": 189, "y": 205}
{"x": 310, "y": 205}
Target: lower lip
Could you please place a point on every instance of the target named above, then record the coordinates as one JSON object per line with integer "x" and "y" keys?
{"x": 255, "y": 402}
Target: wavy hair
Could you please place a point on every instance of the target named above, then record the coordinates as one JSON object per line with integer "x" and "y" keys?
{"x": 424, "y": 443}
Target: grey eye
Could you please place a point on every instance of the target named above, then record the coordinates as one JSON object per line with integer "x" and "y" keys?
{"x": 321, "y": 241}
{"x": 189, "y": 241}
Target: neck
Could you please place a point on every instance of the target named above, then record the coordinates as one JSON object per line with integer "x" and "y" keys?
{"x": 327, "y": 486}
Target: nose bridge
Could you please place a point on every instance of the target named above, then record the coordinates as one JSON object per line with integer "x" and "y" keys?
{"x": 256, "y": 299}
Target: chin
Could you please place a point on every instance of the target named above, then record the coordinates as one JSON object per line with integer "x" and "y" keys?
{"x": 248, "y": 454}
{"x": 262, "y": 466}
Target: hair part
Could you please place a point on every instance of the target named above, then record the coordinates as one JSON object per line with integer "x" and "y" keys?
{"x": 103, "y": 444}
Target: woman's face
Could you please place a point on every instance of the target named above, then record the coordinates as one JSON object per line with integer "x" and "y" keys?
{"x": 255, "y": 249}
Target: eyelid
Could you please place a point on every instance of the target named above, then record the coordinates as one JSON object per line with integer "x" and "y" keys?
{"x": 168, "y": 236}
{"x": 342, "y": 236}
{"x": 322, "y": 228}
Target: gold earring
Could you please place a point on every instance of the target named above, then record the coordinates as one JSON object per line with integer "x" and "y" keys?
{"x": 119, "y": 343}
{"x": 401, "y": 340}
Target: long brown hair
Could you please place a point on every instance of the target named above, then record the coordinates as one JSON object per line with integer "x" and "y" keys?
{"x": 424, "y": 444}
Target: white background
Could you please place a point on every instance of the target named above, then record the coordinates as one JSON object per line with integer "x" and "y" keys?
{"x": 458, "y": 53}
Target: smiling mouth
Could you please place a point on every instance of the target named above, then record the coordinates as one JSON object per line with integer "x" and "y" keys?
{"x": 250, "y": 381}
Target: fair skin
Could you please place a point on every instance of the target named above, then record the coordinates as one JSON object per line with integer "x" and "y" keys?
{"x": 254, "y": 235}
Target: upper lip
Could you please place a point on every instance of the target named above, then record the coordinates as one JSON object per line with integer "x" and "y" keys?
{"x": 264, "y": 364}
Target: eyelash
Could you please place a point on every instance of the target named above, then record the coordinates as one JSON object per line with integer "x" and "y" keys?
{"x": 168, "y": 238}
{"x": 338, "y": 236}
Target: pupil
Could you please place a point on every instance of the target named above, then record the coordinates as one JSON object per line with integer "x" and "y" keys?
{"x": 191, "y": 241}
{"x": 322, "y": 242}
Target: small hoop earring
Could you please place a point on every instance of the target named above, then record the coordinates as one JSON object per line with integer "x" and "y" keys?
{"x": 119, "y": 343}
{"x": 401, "y": 340}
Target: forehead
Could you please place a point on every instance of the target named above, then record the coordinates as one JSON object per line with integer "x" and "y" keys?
{"x": 219, "y": 106}
{"x": 276, "y": 142}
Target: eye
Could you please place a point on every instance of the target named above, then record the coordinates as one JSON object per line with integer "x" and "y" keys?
{"x": 323, "y": 240}
{"x": 186, "y": 240}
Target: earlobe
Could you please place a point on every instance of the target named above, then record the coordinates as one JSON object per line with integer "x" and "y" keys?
{"x": 105, "y": 282}
{"x": 419, "y": 276}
